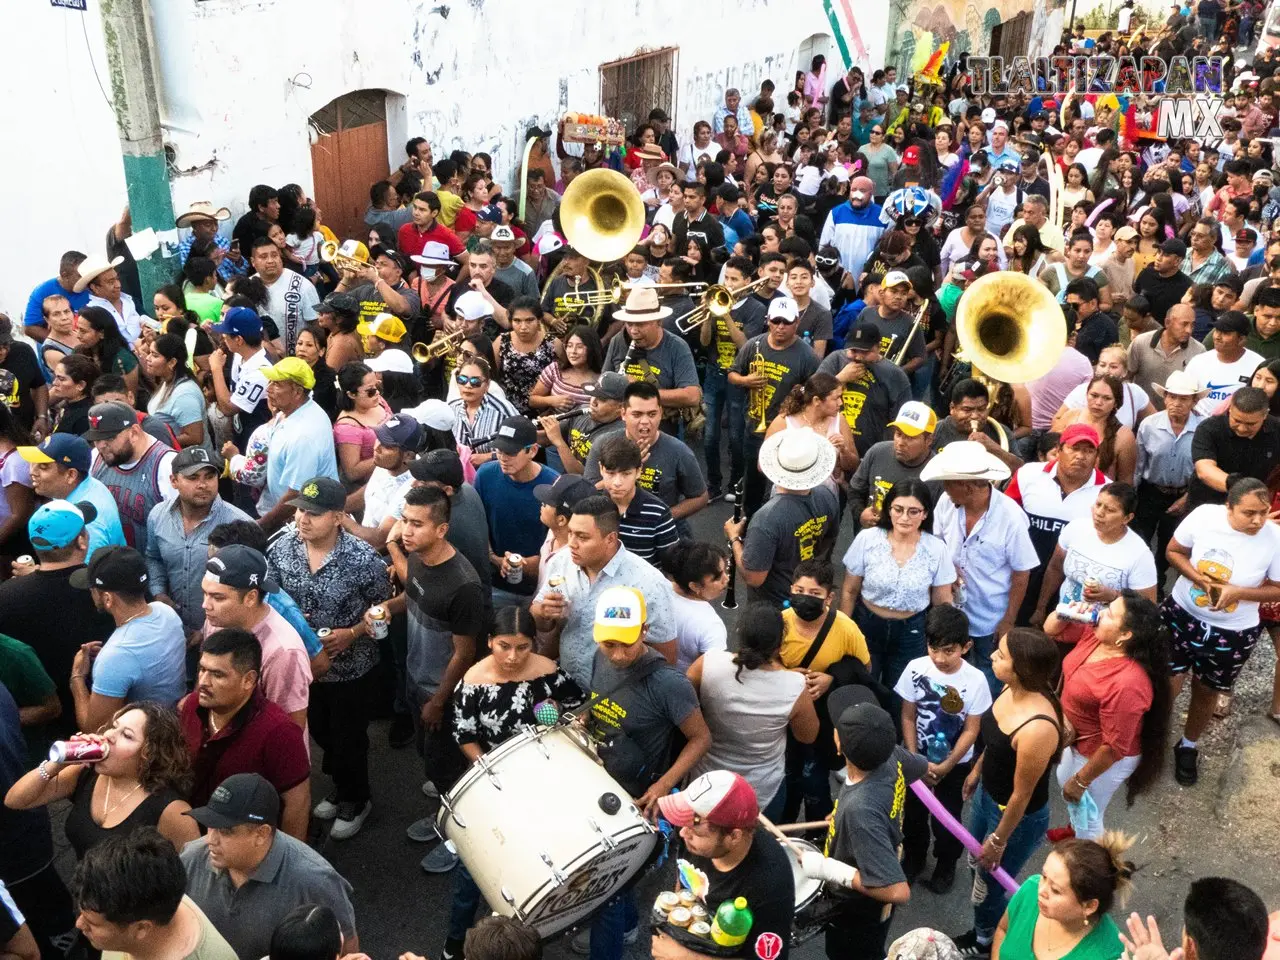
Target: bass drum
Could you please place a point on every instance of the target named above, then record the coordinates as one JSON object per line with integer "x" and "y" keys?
{"x": 807, "y": 921}
{"x": 546, "y": 833}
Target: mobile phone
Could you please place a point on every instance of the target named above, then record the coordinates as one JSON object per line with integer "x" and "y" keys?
{"x": 235, "y": 246}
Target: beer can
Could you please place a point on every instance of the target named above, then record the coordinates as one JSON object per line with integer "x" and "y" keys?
{"x": 78, "y": 751}
{"x": 26, "y": 560}
{"x": 1093, "y": 583}
{"x": 323, "y": 633}
{"x": 515, "y": 570}
{"x": 381, "y": 622}
{"x": 556, "y": 584}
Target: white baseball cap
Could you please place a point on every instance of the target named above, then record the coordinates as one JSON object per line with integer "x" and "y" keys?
{"x": 392, "y": 360}
{"x": 785, "y": 309}
{"x": 894, "y": 278}
{"x": 472, "y": 306}
{"x": 989, "y": 115}
{"x": 915, "y": 418}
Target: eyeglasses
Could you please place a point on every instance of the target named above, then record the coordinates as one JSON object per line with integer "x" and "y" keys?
{"x": 898, "y": 510}
{"x": 464, "y": 381}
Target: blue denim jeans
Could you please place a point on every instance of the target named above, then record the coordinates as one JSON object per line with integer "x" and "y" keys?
{"x": 720, "y": 400}
{"x": 610, "y": 925}
{"x": 892, "y": 643}
{"x": 984, "y": 817}
{"x": 806, "y": 783}
{"x": 466, "y": 901}
{"x": 980, "y": 657}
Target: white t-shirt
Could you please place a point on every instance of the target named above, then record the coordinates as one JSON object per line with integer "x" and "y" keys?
{"x": 13, "y": 469}
{"x": 1229, "y": 556}
{"x": 1089, "y": 157}
{"x": 698, "y": 629}
{"x": 692, "y": 155}
{"x": 1221, "y": 379}
{"x": 382, "y": 491}
{"x": 1000, "y": 209}
{"x": 1135, "y": 400}
{"x": 1117, "y": 566}
{"x": 292, "y": 302}
{"x": 943, "y": 702}
{"x": 248, "y": 385}
{"x": 666, "y": 216}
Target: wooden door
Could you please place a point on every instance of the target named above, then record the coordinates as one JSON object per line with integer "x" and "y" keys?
{"x": 348, "y": 157}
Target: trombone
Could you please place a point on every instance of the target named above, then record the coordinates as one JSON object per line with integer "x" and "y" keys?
{"x": 329, "y": 254}
{"x": 911, "y": 333}
{"x": 718, "y": 301}
{"x": 439, "y": 347}
{"x": 574, "y": 300}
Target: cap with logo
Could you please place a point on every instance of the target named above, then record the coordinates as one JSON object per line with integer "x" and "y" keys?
{"x": 320, "y": 495}
{"x": 783, "y": 309}
{"x": 895, "y": 278}
{"x": 106, "y": 420}
{"x": 502, "y": 234}
{"x": 64, "y": 449}
{"x": 717, "y": 797}
{"x": 191, "y": 460}
{"x": 385, "y": 326}
{"x": 865, "y": 336}
{"x": 244, "y": 568}
{"x": 620, "y": 615}
{"x": 239, "y": 799}
{"x": 58, "y": 523}
{"x": 401, "y": 431}
{"x": 610, "y": 386}
{"x": 113, "y": 568}
{"x": 294, "y": 369}
{"x": 566, "y": 493}
{"x": 915, "y": 418}
{"x": 515, "y": 434}
{"x": 239, "y": 321}
{"x": 866, "y": 731}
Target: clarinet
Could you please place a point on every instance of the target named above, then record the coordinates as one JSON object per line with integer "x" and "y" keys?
{"x": 730, "y": 601}
{"x": 566, "y": 415}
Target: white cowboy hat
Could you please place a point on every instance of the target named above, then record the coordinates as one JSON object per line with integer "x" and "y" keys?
{"x": 797, "y": 458}
{"x": 93, "y": 266}
{"x": 434, "y": 254}
{"x": 1181, "y": 384}
{"x": 203, "y": 210}
{"x": 965, "y": 460}
{"x": 642, "y": 305}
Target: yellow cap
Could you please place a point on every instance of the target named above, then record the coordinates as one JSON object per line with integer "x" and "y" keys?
{"x": 294, "y": 369}
{"x": 385, "y": 326}
{"x": 620, "y": 615}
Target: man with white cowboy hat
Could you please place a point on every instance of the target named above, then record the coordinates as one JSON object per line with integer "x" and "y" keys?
{"x": 202, "y": 218}
{"x": 647, "y": 353}
{"x": 98, "y": 275}
{"x": 1165, "y": 462}
{"x": 799, "y": 522}
{"x": 508, "y": 268}
{"x": 433, "y": 285}
{"x": 986, "y": 535}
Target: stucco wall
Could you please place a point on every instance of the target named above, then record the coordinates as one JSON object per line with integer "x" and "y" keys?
{"x": 241, "y": 77}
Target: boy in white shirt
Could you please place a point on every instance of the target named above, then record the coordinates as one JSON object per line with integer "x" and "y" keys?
{"x": 943, "y": 699}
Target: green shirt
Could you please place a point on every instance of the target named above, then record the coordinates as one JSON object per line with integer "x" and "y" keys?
{"x": 24, "y": 675}
{"x": 210, "y": 946}
{"x": 1101, "y": 943}
{"x": 204, "y": 305}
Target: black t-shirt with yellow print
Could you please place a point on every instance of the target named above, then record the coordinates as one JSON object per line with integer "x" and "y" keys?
{"x": 783, "y": 369}
{"x": 872, "y": 400}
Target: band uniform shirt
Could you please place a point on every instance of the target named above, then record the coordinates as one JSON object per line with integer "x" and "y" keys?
{"x": 789, "y": 528}
{"x": 871, "y": 401}
{"x": 783, "y": 369}
{"x": 669, "y": 365}
{"x": 585, "y": 432}
{"x": 877, "y": 472}
{"x": 894, "y": 331}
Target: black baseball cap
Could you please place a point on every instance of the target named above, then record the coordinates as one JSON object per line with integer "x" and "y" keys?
{"x": 1174, "y": 247}
{"x": 113, "y": 568}
{"x": 867, "y": 734}
{"x": 1233, "y": 321}
{"x": 568, "y": 490}
{"x": 610, "y": 386}
{"x": 339, "y": 303}
{"x": 320, "y": 495}
{"x": 515, "y": 434}
{"x": 241, "y": 798}
{"x": 865, "y": 336}
{"x": 107, "y": 420}
{"x": 192, "y": 460}
{"x": 241, "y": 567}
{"x": 438, "y": 466}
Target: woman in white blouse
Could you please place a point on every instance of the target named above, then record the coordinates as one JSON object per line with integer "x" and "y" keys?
{"x": 895, "y": 572}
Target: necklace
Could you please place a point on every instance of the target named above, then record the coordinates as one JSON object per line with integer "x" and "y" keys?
{"x": 108, "y": 807}
{"x": 133, "y": 618}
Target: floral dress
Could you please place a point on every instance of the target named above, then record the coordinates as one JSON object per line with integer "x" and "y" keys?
{"x": 488, "y": 713}
{"x": 520, "y": 371}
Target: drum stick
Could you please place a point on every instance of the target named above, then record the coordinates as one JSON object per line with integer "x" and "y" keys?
{"x": 803, "y": 827}
{"x": 782, "y": 837}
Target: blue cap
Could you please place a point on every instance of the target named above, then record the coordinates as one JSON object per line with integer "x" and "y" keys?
{"x": 238, "y": 321}
{"x": 490, "y": 212}
{"x": 64, "y": 449}
{"x": 56, "y": 524}
{"x": 400, "y": 431}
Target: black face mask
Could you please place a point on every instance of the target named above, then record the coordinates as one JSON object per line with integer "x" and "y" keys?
{"x": 806, "y": 607}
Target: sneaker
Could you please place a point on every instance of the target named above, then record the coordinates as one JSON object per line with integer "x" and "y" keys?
{"x": 423, "y": 831}
{"x": 581, "y": 944}
{"x": 327, "y": 808}
{"x": 1185, "y": 765}
{"x": 351, "y": 817}
{"x": 440, "y": 860}
{"x": 429, "y": 790}
{"x": 1058, "y": 834}
{"x": 944, "y": 875}
{"x": 452, "y": 950}
{"x": 913, "y": 865}
{"x": 714, "y": 494}
{"x": 969, "y": 947}
{"x": 401, "y": 732}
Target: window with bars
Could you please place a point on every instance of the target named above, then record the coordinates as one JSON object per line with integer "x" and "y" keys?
{"x": 357, "y": 109}
{"x": 630, "y": 88}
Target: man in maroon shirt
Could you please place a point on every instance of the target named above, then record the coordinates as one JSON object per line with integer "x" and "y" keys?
{"x": 230, "y": 727}
{"x": 413, "y": 236}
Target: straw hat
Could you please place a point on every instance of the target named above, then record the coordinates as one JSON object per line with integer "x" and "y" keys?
{"x": 797, "y": 458}
{"x": 92, "y": 267}
{"x": 203, "y": 210}
{"x": 965, "y": 460}
{"x": 642, "y": 305}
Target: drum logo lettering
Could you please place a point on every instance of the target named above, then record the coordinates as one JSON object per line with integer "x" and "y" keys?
{"x": 768, "y": 946}
{"x": 592, "y": 884}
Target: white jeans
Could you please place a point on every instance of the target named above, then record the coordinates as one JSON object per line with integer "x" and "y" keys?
{"x": 1101, "y": 790}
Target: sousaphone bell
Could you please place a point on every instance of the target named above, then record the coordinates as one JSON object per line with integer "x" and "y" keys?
{"x": 1010, "y": 327}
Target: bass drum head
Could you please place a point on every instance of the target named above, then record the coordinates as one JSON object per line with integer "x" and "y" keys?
{"x": 807, "y": 888}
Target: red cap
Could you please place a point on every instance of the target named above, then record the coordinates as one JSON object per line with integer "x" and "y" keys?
{"x": 1078, "y": 432}
{"x": 718, "y": 797}
{"x": 911, "y": 155}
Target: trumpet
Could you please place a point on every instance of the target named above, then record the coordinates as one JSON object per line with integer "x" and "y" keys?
{"x": 439, "y": 347}
{"x": 718, "y": 301}
{"x": 758, "y": 400}
{"x": 329, "y": 254}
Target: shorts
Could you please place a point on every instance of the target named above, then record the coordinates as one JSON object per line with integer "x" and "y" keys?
{"x": 1214, "y": 655}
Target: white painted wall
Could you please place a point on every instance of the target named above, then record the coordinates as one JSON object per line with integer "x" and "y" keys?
{"x": 241, "y": 77}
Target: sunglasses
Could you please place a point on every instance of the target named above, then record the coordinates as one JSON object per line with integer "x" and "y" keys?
{"x": 877, "y": 133}
{"x": 464, "y": 381}
{"x": 368, "y": 391}
{"x": 912, "y": 222}
{"x": 827, "y": 261}
{"x": 781, "y": 320}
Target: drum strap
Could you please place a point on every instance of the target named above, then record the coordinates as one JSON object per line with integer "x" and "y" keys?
{"x": 819, "y": 639}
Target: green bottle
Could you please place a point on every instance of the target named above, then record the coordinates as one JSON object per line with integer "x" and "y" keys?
{"x": 732, "y": 923}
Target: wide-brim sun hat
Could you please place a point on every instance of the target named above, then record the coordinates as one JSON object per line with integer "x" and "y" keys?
{"x": 965, "y": 460}
{"x": 797, "y": 458}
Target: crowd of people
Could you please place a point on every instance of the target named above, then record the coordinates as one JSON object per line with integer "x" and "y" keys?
{"x": 447, "y": 475}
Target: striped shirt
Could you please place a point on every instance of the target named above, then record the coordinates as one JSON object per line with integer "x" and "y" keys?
{"x": 647, "y": 527}
{"x": 493, "y": 410}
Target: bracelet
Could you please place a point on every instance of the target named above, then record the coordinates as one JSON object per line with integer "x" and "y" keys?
{"x": 1081, "y": 783}
{"x": 43, "y": 769}
{"x": 996, "y": 840}
{"x": 735, "y": 540}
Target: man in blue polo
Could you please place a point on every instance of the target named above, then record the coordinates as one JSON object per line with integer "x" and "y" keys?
{"x": 60, "y": 471}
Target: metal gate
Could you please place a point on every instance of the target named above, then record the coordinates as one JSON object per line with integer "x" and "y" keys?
{"x": 1012, "y": 38}
{"x": 630, "y": 88}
